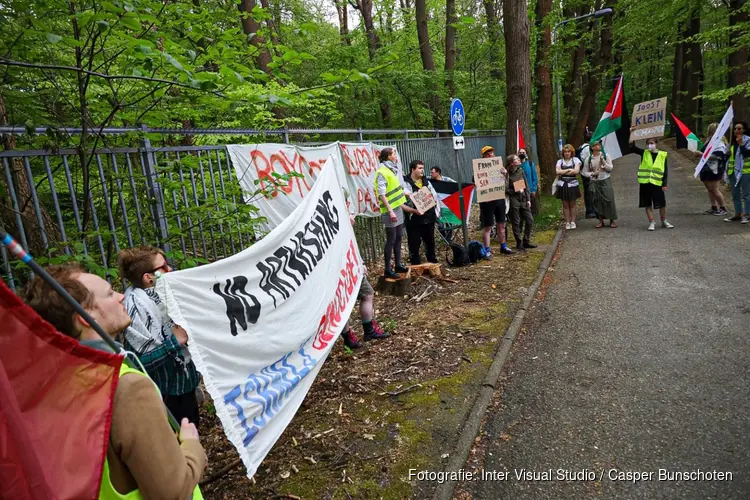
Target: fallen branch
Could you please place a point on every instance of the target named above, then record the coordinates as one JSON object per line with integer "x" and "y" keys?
{"x": 396, "y": 393}
{"x": 221, "y": 472}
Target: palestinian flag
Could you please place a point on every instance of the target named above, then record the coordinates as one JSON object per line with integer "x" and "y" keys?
{"x": 614, "y": 125}
{"x": 448, "y": 197}
{"x": 685, "y": 138}
{"x": 520, "y": 143}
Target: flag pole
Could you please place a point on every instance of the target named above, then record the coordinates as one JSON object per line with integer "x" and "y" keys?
{"x": 19, "y": 252}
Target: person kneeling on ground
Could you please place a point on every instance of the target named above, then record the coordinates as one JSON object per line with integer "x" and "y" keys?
{"x": 598, "y": 168}
{"x": 519, "y": 197}
{"x": 144, "y": 459}
{"x": 153, "y": 337}
{"x": 493, "y": 212}
{"x": 652, "y": 177}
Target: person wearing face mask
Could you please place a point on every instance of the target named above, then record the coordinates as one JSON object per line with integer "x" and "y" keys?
{"x": 652, "y": 178}
{"x": 529, "y": 170}
{"x": 159, "y": 344}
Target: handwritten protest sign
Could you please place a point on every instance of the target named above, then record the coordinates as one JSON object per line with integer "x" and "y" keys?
{"x": 519, "y": 185}
{"x": 489, "y": 177}
{"x": 648, "y": 119}
{"x": 423, "y": 200}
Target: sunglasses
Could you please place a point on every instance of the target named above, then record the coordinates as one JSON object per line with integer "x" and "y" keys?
{"x": 164, "y": 268}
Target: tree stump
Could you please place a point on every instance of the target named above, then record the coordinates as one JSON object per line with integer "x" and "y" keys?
{"x": 426, "y": 269}
{"x": 396, "y": 287}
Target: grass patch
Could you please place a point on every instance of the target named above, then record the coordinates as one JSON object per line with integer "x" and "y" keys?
{"x": 550, "y": 209}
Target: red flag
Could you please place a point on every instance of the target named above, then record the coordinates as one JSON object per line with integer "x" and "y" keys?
{"x": 520, "y": 143}
{"x": 55, "y": 408}
{"x": 453, "y": 202}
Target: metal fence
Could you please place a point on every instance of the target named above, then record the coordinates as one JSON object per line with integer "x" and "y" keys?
{"x": 185, "y": 199}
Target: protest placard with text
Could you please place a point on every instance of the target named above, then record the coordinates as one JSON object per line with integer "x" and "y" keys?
{"x": 423, "y": 199}
{"x": 489, "y": 177}
{"x": 648, "y": 119}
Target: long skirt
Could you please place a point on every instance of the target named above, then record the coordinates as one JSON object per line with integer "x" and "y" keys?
{"x": 603, "y": 198}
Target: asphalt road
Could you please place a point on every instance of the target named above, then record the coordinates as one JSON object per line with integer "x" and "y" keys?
{"x": 636, "y": 360}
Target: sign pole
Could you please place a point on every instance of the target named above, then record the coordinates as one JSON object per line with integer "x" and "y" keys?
{"x": 458, "y": 120}
{"x": 461, "y": 201}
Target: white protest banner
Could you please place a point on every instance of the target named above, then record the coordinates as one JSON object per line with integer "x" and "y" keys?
{"x": 721, "y": 130}
{"x": 262, "y": 322}
{"x": 356, "y": 166}
{"x": 423, "y": 199}
{"x": 649, "y": 119}
{"x": 489, "y": 177}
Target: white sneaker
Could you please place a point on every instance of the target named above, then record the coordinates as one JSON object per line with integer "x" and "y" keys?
{"x": 652, "y": 226}
{"x": 567, "y": 225}
{"x": 665, "y": 224}
{"x": 745, "y": 220}
{"x": 573, "y": 225}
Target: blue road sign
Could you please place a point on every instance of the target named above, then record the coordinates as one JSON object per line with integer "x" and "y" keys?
{"x": 458, "y": 118}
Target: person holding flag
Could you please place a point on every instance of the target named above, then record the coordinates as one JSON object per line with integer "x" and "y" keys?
{"x": 143, "y": 458}
{"x": 713, "y": 171}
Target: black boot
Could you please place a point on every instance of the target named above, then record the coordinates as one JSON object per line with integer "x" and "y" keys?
{"x": 350, "y": 340}
{"x": 528, "y": 244}
{"x": 390, "y": 274}
{"x": 401, "y": 269}
{"x": 520, "y": 247}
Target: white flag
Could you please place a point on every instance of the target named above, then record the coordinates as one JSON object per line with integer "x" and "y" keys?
{"x": 724, "y": 125}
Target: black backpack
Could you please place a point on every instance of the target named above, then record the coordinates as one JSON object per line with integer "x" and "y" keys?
{"x": 459, "y": 253}
{"x": 476, "y": 251}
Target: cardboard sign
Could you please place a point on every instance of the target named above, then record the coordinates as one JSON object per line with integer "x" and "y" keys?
{"x": 648, "y": 119}
{"x": 423, "y": 200}
{"x": 519, "y": 186}
{"x": 489, "y": 178}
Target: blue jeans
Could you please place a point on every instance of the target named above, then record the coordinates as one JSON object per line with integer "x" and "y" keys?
{"x": 741, "y": 193}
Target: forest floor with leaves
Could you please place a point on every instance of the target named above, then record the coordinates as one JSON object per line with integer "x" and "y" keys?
{"x": 397, "y": 404}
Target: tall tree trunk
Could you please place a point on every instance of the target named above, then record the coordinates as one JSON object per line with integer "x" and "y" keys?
{"x": 493, "y": 33}
{"x": 250, "y": 25}
{"x": 341, "y": 9}
{"x": 737, "y": 60}
{"x": 428, "y": 62}
{"x": 272, "y": 30}
{"x": 543, "y": 118}
{"x": 679, "y": 52}
{"x": 692, "y": 68}
{"x": 518, "y": 71}
{"x": 592, "y": 87}
{"x": 450, "y": 45}
{"x": 373, "y": 44}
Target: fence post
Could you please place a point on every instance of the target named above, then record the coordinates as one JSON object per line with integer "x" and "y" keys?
{"x": 372, "y": 237}
{"x": 286, "y": 136}
{"x": 359, "y": 135}
{"x": 157, "y": 197}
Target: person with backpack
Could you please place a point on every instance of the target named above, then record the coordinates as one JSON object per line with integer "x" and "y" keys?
{"x": 597, "y": 168}
{"x": 582, "y": 153}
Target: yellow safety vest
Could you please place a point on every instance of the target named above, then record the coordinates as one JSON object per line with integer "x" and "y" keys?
{"x": 730, "y": 165}
{"x": 650, "y": 171}
{"x": 107, "y": 491}
{"x": 394, "y": 193}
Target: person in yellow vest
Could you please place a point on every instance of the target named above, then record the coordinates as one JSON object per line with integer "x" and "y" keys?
{"x": 652, "y": 177}
{"x": 392, "y": 191}
{"x": 144, "y": 457}
{"x": 740, "y": 176}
